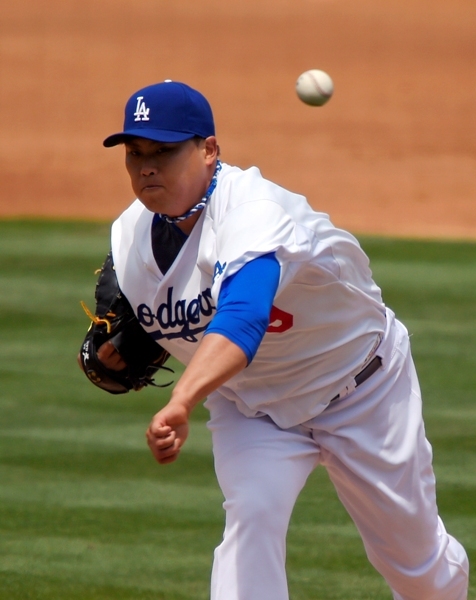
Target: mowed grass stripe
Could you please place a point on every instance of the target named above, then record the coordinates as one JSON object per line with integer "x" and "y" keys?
{"x": 85, "y": 513}
{"x": 178, "y": 569}
{"x": 121, "y": 436}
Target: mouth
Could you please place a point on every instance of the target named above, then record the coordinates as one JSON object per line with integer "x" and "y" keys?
{"x": 150, "y": 187}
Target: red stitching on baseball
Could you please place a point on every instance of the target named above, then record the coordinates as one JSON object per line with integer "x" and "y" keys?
{"x": 318, "y": 87}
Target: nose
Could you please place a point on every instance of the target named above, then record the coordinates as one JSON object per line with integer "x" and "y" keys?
{"x": 148, "y": 166}
{"x": 147, "y": 170}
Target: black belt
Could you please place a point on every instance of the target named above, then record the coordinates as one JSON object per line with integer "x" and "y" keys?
{"x": 369, "y": 370}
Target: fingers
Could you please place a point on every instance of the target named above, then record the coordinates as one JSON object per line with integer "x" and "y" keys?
{"x": 110, "y": 357}
{"x": 167, "y": 433}
{"x": 163, "y": 443}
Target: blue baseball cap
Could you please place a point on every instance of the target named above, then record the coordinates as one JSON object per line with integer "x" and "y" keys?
{"x": 165, "y": 112}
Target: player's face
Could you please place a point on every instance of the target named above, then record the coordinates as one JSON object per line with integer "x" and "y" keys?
{"x": 170, "y": 178}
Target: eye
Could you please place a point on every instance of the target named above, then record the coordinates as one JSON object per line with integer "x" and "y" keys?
{"x": 132, "y": 151}
{"x": 165, "y": 149}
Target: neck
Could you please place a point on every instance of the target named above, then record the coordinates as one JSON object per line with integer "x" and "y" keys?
{"x": 188, "y": 224}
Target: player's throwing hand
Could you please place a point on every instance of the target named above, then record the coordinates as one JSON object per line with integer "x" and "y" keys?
{"x": 167, "y": 433}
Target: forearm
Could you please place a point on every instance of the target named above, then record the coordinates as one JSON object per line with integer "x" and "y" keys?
{"x": 240, "y": 324}
{"x": 216, "y": 360}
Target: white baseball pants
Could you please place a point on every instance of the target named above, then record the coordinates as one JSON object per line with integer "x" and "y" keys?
{"x": 373, "y": 445}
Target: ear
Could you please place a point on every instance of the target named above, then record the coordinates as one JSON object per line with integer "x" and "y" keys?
{"x": 211, "y": 150}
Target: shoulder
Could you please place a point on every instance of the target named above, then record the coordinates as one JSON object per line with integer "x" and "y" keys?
{"x": 132, "y": 226}
{"x": 132, "y": 212}
{"x": 233, "y": 179}
{"x": 128, "y": 220}
{"x": 246, "y": 190}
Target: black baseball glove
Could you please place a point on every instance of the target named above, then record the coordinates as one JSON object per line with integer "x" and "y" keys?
{"x": 116, "y": 322}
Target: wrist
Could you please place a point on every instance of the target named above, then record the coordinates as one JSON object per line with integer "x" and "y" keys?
{"x": 182, "y": 401}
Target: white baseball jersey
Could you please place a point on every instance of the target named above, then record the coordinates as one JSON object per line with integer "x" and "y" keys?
{"x": 327, "y": 318}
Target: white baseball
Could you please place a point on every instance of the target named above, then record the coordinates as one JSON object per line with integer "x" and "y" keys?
{"x": 314, "y": 87}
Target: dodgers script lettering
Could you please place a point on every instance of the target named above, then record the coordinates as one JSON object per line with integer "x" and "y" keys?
{"x": 180, "y": 315}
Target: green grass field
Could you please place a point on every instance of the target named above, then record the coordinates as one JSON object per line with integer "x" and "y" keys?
{"x": 85, "y": 513}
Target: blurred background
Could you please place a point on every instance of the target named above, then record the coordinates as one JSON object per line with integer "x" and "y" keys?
{"x": 85, "y": 513}
{"x": 394, "y": 151}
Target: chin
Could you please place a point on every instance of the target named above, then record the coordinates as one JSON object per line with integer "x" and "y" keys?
{"x": 150, "y": 206}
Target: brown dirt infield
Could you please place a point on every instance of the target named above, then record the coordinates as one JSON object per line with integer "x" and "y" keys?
{"x": 394, "y": 152}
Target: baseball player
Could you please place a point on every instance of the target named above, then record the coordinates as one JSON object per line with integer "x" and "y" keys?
{"x": 275, "y": 314}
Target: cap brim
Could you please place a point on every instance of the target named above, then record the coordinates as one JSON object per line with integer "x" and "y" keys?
{"x": 156, "y": 135}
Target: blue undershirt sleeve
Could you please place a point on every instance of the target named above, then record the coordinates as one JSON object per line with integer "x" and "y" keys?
{"x": 244, "y": 303}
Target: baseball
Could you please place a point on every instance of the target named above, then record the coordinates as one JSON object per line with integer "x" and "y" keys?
{"x": 314, "y": 87}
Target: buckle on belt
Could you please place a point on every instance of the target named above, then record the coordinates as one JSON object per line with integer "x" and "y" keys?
{"x": 367, "y": 372}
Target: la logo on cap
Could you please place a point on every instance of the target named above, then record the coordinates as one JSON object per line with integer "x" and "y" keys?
{"x": 142, "y": 113}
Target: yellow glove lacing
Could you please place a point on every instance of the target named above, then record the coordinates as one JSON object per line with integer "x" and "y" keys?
{"x": 97, "y": 320}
